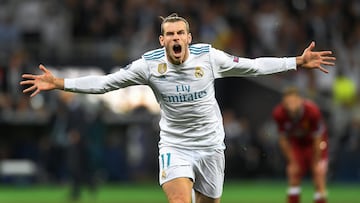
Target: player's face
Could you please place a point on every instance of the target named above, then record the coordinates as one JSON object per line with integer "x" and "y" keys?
{"x": 176, "y": 40}
{"x": 292, "y": 103}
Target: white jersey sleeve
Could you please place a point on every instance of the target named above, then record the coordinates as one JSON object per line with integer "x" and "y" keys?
{"x": 226, "y": 65}
{"x": 136, "y": 73}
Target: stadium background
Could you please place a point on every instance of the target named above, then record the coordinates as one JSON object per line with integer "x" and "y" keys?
{"x": 119, "y": 129}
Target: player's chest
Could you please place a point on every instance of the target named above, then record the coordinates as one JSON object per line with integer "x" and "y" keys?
{"x": 298, "y": 128}
{"x": 193, "y": 77}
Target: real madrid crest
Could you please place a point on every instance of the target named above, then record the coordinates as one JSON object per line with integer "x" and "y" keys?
{"x": 162, "y": 67}
{"x": 163, "y": 174}
{"x": 199, "y": 72}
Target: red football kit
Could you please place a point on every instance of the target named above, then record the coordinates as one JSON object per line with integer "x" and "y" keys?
{"x": 301, "y": 131}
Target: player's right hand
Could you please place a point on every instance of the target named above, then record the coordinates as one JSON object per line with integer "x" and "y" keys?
{"x": 38, "y": 83}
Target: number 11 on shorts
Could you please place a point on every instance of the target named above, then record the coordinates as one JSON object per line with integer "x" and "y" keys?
{"x": 168, "y": 155}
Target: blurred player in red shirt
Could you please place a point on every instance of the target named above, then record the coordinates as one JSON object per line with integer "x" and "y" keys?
{"x": 304, "y": 142}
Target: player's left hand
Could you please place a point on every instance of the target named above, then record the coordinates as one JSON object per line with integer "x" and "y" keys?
{"x": 315, "y": 59}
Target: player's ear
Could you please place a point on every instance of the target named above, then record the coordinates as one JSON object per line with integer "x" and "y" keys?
{"x": 189, "y": 38}
{"x": 161, "y": 40}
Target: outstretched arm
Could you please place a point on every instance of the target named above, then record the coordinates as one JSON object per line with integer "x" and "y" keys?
{"x": 315, "y": 59}
{"x": 38, "y": 83}
{"x": 135, "y": 73}
{"x": 226, "y": 65}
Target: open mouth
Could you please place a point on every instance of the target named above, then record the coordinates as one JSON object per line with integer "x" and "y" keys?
{"x": 177, "y": 48}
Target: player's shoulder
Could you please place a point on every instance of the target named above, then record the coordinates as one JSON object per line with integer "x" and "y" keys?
{"x": 311, "y": 108}
{"x": 278, "y": 111}
{"x": 154, "y": 54}
{"x": 199, "y": 48}
{"x": 310, "y": 104}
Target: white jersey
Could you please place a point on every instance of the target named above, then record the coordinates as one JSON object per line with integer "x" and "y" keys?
{"x": 190, "y": 115}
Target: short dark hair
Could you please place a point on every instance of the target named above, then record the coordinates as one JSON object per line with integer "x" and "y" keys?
{"x": 174, "y": 17}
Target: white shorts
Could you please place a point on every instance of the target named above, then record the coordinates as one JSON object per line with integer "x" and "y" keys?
{"x": 204, "y": 167}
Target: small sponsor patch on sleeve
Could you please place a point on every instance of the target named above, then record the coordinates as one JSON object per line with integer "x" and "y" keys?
{"x": 236, "y": 59}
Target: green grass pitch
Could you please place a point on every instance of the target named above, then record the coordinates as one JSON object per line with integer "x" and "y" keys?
{"x": 234, "y": 192}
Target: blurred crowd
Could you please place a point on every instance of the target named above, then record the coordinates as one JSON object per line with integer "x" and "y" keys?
{"x": 110, "y": 33}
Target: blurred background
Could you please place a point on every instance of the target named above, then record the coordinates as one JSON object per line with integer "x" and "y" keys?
{"x": 61, "y": 138}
